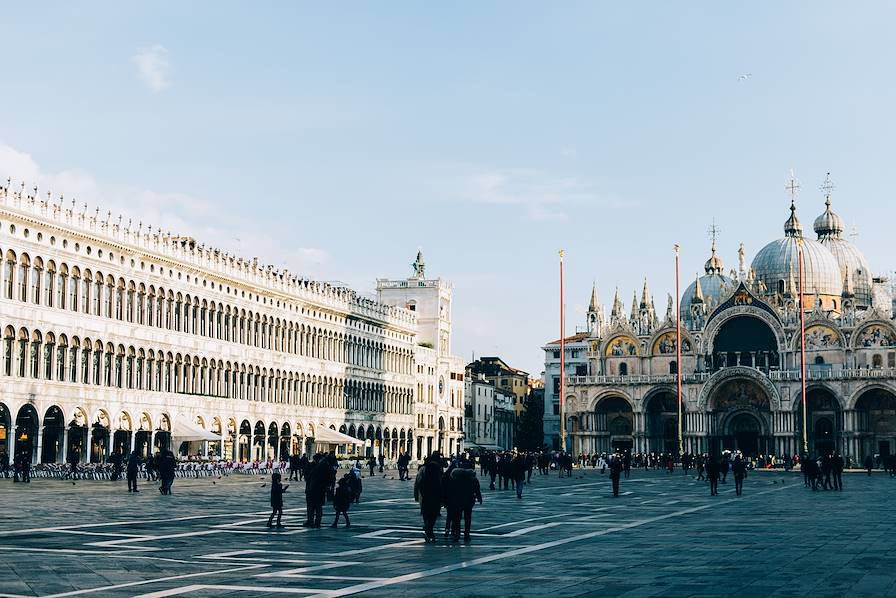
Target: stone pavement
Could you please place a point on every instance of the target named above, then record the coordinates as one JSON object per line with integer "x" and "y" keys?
{"x": 568, "y": 537}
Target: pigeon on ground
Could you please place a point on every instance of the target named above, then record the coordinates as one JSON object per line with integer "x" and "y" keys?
{"x": 263, "y": 485}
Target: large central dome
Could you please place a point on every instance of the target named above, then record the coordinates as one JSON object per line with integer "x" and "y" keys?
{"x": 777, "y": 265}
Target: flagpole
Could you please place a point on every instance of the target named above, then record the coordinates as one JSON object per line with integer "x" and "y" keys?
{"x": 803, "y": 349}
{"x": 562, "y": 362}
{"x": 678, "y": 352}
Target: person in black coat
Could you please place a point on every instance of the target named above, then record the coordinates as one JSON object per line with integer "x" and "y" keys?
{"x": 166, "y": 464}
{"x": 116, "y": 459}
{"x": 616, "y": 467}
{"x": 342, "y": 499}
{"x": 463, "y": 492}
{"x": 713, "y": 472}
{"x": 739, "y": 470}
{"x": 837, "y": 466}
{"x": 132, "y": 469}
{"x": 293, "y": 467}
{"x": 428, "y": 491}
{"x": 277, "y": 490}
{"x": 317, "y": 480}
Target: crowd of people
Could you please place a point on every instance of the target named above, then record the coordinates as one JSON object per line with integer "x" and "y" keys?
{"x": 449, "y": 482}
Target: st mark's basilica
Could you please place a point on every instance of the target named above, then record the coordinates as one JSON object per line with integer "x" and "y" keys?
{"x": 741, "y": 384}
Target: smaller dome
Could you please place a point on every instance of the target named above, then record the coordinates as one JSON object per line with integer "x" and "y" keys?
{"x": 712, "y": 288}
{"x": 793, "y": 228}
{"x": 829, "y": 224}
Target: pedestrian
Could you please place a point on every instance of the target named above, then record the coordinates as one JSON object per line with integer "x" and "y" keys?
{"x": 739, "y": 469}
{"x": 371, "y": 464}
{"x": 316, "y": 478}
{"x": 712, "y": 473}
{"x": 151, "y": 467}
{"x": 869, "y": 464}
{"x": 518, "y": 471}
{"x": 616, "y": 467}
{"x": 428, "y": 492}
{"x": 464, "y": 493}
{"x": 116, "y": 459}
{"x": 837, "y": 466}
{"x": 167, "y": 465}
{"x": 355, "y": 485}
{"x": 277, "y": 490}
{"x": 826, "y": 473}
{"x": 627, "y": 463}
{"x": 132, "y": 470}
{"x": 294, "y": 467}
{"x": 342, "y": 499}
{"x": 382, "y": 462}
{"x": 701, "y": 468}
{"x": 26, "y": 467}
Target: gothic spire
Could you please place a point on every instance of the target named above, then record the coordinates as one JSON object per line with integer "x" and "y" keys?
{"x": 645, "y": 295}
{"x": 593, "y": 305}
{"x": 698, "y": 292}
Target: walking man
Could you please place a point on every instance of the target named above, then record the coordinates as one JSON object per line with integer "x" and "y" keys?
{"x": 615, "y": 473}
{"x": 712, "y": 472}
{"x": 132, "y": 470}
{"x": 739, "y": 469}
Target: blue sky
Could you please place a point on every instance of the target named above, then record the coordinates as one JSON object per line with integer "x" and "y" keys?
{"x": 336, "y": 139}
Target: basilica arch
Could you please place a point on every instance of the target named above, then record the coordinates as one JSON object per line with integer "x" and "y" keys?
{"x": 661, "y": 420}
{"x": 757, "y": 314}
{"x": 742, "y": 408}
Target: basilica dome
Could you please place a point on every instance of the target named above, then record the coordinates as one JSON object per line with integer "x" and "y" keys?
{"x": 709, "y": 288}
{"x": 777, "y": 265}
{"x": 829, "y": 228}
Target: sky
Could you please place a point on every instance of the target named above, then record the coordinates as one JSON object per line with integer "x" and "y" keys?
{"x": 336, "y": 139}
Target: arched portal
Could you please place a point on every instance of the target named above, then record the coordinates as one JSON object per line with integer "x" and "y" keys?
{"x": 662, "y": 422}
{"x": 742, "y": 412}
{"x": 53, "y": 436}
{"x": 5, "y": 431}
{"x": 876, "y": 409}
{"x": 824, "y": 423}
{"x": 245, "y": 442}
{"x": 745, "y": 340}
{"x": 614, "y": 423}
{"x": 121, "y": 439}
{"x": 76, "y": 451}
{"x": 99, "y": 438}
{"x": 27, "y": 426}
{"x": 259, "y": 441}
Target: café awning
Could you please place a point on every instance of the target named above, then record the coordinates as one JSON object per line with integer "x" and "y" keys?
{"x": 326, "y": 435}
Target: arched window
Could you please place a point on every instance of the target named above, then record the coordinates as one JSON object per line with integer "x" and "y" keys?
{"x": 73, "y": 283}
{"x": 24, "y": 268}
{"x": 9, "y": 275}
{"x": 780, "y": 287}
{"x": 62, "y": 286}
{"x": 98, "y": 294}
{"x": 877, "y": 361}
{"x": 34, "y": 357}
{"x": 140, "y": 305}
{"x": 61, "y": 349}
{"x": 50, "y": 284}
{"x": 23, "y": 350}
{"x": 48, "y": 357}
{"x": 9, "y": 339}
{"x": 36, "y": 279}
{"x": 673, "y": 367}
{"x": 819, "y": 360}
{"x": 138, "y": 370}
{"x": 623, "y": 369}
{"x": 86, "y": 291}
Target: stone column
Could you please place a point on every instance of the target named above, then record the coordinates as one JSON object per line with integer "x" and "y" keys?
{"x": 38, "y": 456}
{"x": 64, "y": 451}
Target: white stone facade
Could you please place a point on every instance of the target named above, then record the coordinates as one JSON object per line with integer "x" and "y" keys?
{"x": 113, "y": 334}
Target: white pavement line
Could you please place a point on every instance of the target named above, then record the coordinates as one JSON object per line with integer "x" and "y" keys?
{"x": 508, "y": 524}
{"x": 78, "y": 552}
{"x": 374, "y": 548}
{"x": 258, "y": 589}
{"x": 150, "y": 538}
{"x": 132, "y": 522}
{"x": 148, "y": 581}
{"x": 108, "y": 534}
{"x": 373, "y": 585}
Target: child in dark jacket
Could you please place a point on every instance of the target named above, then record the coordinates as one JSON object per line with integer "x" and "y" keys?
{"x": 277, "y": 490}
{"x": 342, "y": 500}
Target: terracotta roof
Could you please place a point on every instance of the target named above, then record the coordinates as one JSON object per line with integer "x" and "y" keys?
{"x": 575, "y": 338}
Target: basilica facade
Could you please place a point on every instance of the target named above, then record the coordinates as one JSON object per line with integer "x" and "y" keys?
{"x": 119, "y": 338}
{"x": 741, "y": 357}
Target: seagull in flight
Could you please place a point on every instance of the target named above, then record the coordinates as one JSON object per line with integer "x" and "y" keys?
{"x": 745, "y": 76}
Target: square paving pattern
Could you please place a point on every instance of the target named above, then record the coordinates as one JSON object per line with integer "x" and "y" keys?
{"x": 665, "y": 536}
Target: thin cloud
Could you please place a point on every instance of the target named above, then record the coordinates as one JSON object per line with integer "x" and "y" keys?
{"x": 178, "y": 213}
{"x": 153, "y": 67}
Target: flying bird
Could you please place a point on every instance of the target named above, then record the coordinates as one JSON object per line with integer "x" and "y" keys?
{"x": 745, "y": 76}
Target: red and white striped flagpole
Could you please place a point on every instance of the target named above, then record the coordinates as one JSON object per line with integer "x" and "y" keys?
{"x": 678, "y": 365}
{"x": 803, "y": 350}
{"x": 562, "y": 361}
